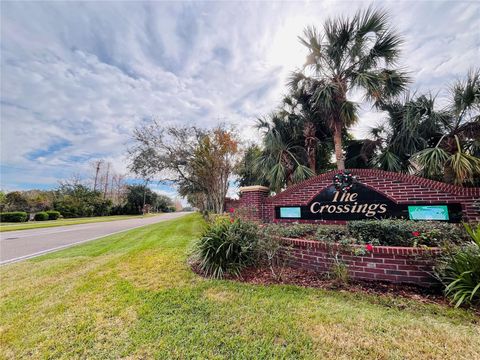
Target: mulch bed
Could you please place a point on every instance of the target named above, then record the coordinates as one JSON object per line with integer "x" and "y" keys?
{"x": 310, "y": 279}
{"x": 299, "y": 277}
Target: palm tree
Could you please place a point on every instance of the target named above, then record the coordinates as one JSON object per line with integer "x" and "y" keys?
{"x": 455, "y": 155}
{"x": 282, "y": 161}
{"x": 350, "y": 54}
{"x": 315, "y": 133}
{"x": 412, "y": 125}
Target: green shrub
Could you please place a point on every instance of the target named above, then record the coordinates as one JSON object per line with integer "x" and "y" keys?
{"x": 331, "y": 233}
{"x": 41, "y": 216}
{"x": 14, "y": 216}
{"x": 459, "y": 271}
{"x": 291, "y": 230}
{"x": 53, "y": 215}
{"x": 227, "y": 247}
{"x": 394, "y": 232}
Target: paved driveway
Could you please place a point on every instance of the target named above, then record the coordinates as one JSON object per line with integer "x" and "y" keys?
{"x": 24, "y": 244}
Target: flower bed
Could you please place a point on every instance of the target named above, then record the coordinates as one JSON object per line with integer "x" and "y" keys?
{"x": 364, "y": 262}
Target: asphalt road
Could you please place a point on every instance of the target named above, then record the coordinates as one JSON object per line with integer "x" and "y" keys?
{"x": 25, "y": 244}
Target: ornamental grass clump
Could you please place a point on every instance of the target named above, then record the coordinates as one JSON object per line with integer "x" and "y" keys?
{"x": 459, "y": 271}
{"x": 226, "y": 247}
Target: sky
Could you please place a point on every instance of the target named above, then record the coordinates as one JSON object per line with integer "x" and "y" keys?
{"x": 77, "y": 78}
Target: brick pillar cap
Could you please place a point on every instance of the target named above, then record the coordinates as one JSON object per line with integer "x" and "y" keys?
{"x": 254, "y": 188}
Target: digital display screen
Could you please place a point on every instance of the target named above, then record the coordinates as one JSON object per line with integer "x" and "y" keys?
{"x": 428, "y": 212}
{"x": 290, "y": 212}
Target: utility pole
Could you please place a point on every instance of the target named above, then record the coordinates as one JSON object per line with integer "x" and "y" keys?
{"x": 144, "y": 196}
{"x": 106, "y": 182}
{"x": 97, "y": 170}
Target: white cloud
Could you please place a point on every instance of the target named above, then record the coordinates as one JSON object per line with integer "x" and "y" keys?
{"x": 76, "y": 78}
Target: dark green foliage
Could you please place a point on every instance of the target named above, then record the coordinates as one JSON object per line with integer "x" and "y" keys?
{"x": 459, "y": 270}
{"x": 41, "y": 216}
{"x": 227, "y": 247}
{"x": 406, "y": 233}
{"x": 246, "y": 169}
{"x": 290, "y": 231}
{"x": 14, "y": 216}
{"x": 53, "y": 214}
{"x": 137, "y": 195}
{"x": 393, "y": 232}
{"x": 331, "y": 233}
{"x": 16, "y": 201}
{"x": 77, "y": 200}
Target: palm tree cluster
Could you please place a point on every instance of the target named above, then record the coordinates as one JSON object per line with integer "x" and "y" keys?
{"x": 359, "y": 55}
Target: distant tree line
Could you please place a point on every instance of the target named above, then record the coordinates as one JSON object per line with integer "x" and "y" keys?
{"x": 108, "y": 194}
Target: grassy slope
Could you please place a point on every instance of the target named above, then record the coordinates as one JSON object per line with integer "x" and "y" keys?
{"x": 132, "y": 295}
{"x": 63, "y": 222}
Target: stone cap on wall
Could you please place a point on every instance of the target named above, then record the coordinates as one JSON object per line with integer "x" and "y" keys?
{"x": 254, "y": 188}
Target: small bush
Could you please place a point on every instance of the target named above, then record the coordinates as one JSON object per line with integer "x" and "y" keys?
{"x": 53, "y": 215}
{"x": 41, "y": 216}
{"x": 407, "y": 233}
{"x": 339, "y": 271}
{"x": 14, "y": 216}
{"x": 226, "y": 247}
{"x": 459, "y": 271}
{"x": 331, "y": 233}
{"x": 291, "y": 231}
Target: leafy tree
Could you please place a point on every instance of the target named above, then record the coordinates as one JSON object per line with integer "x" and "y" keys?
{"x": 350, "y": 54}
{"x": 2, "y": 200}
{"x": 137, "y": 197}
{"x": 164, "y": 203}
{"x": 77, "y": 200}
{"x": 16, "y": 201}
{"x": 198, "y": 161}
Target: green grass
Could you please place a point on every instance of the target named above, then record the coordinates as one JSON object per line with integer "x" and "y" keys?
{"x": 132, "y": 295}
{"x": 64, "y": 222}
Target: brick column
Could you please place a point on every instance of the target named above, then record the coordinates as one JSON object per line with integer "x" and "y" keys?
{"x": 252, "y": 199}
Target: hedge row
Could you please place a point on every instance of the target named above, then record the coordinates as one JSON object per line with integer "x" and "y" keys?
{"x": 388, "y": 232}
{"x": 21, "y": 216}
{"x": 14, "y": 216}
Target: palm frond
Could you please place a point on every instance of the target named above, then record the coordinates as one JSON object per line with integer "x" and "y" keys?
{"x": 430, "y": 162}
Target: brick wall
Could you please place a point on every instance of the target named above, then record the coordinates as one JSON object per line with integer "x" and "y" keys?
{"x": 400, "y": 188}
{"x": 252, "y": 201}
{"x": 385, "y": 263}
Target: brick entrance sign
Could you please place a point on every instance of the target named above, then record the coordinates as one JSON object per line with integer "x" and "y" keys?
{"x": 376, "y": 194}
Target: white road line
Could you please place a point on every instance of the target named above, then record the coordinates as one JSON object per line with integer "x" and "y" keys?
{"x": 29, "y": 256}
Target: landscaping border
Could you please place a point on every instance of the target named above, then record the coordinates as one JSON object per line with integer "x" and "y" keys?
{"x": 393, "y": 264}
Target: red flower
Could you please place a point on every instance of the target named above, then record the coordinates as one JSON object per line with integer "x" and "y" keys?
{"x": 415, "y": 233}
{"x": 369, "y": 247}
{"x": 232, "y": 221}
{"x": 232, "y": 210}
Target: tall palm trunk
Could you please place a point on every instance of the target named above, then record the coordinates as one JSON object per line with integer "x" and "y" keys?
{"x": 310, "y": 145}
{"x": 337, "y": 141}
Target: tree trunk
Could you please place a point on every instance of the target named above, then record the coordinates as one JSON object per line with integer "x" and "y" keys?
{"x": 310, "y": 145}
{"x": 337, "y": 140}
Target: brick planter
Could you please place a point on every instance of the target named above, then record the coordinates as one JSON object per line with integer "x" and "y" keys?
{"x": 386, "y": 263}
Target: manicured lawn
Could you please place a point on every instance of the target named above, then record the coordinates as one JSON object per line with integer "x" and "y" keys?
{"x": 132, "y": 295}
{"x": 64, "y": 222}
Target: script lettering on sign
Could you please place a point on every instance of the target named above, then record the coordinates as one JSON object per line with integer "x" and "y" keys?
{"x": 344, "y": 203}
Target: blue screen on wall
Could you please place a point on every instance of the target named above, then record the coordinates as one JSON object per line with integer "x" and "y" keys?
{"x": 290, "y": 212}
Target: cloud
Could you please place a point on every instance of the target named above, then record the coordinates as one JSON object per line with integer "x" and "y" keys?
{"x": 76, "y": 78}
